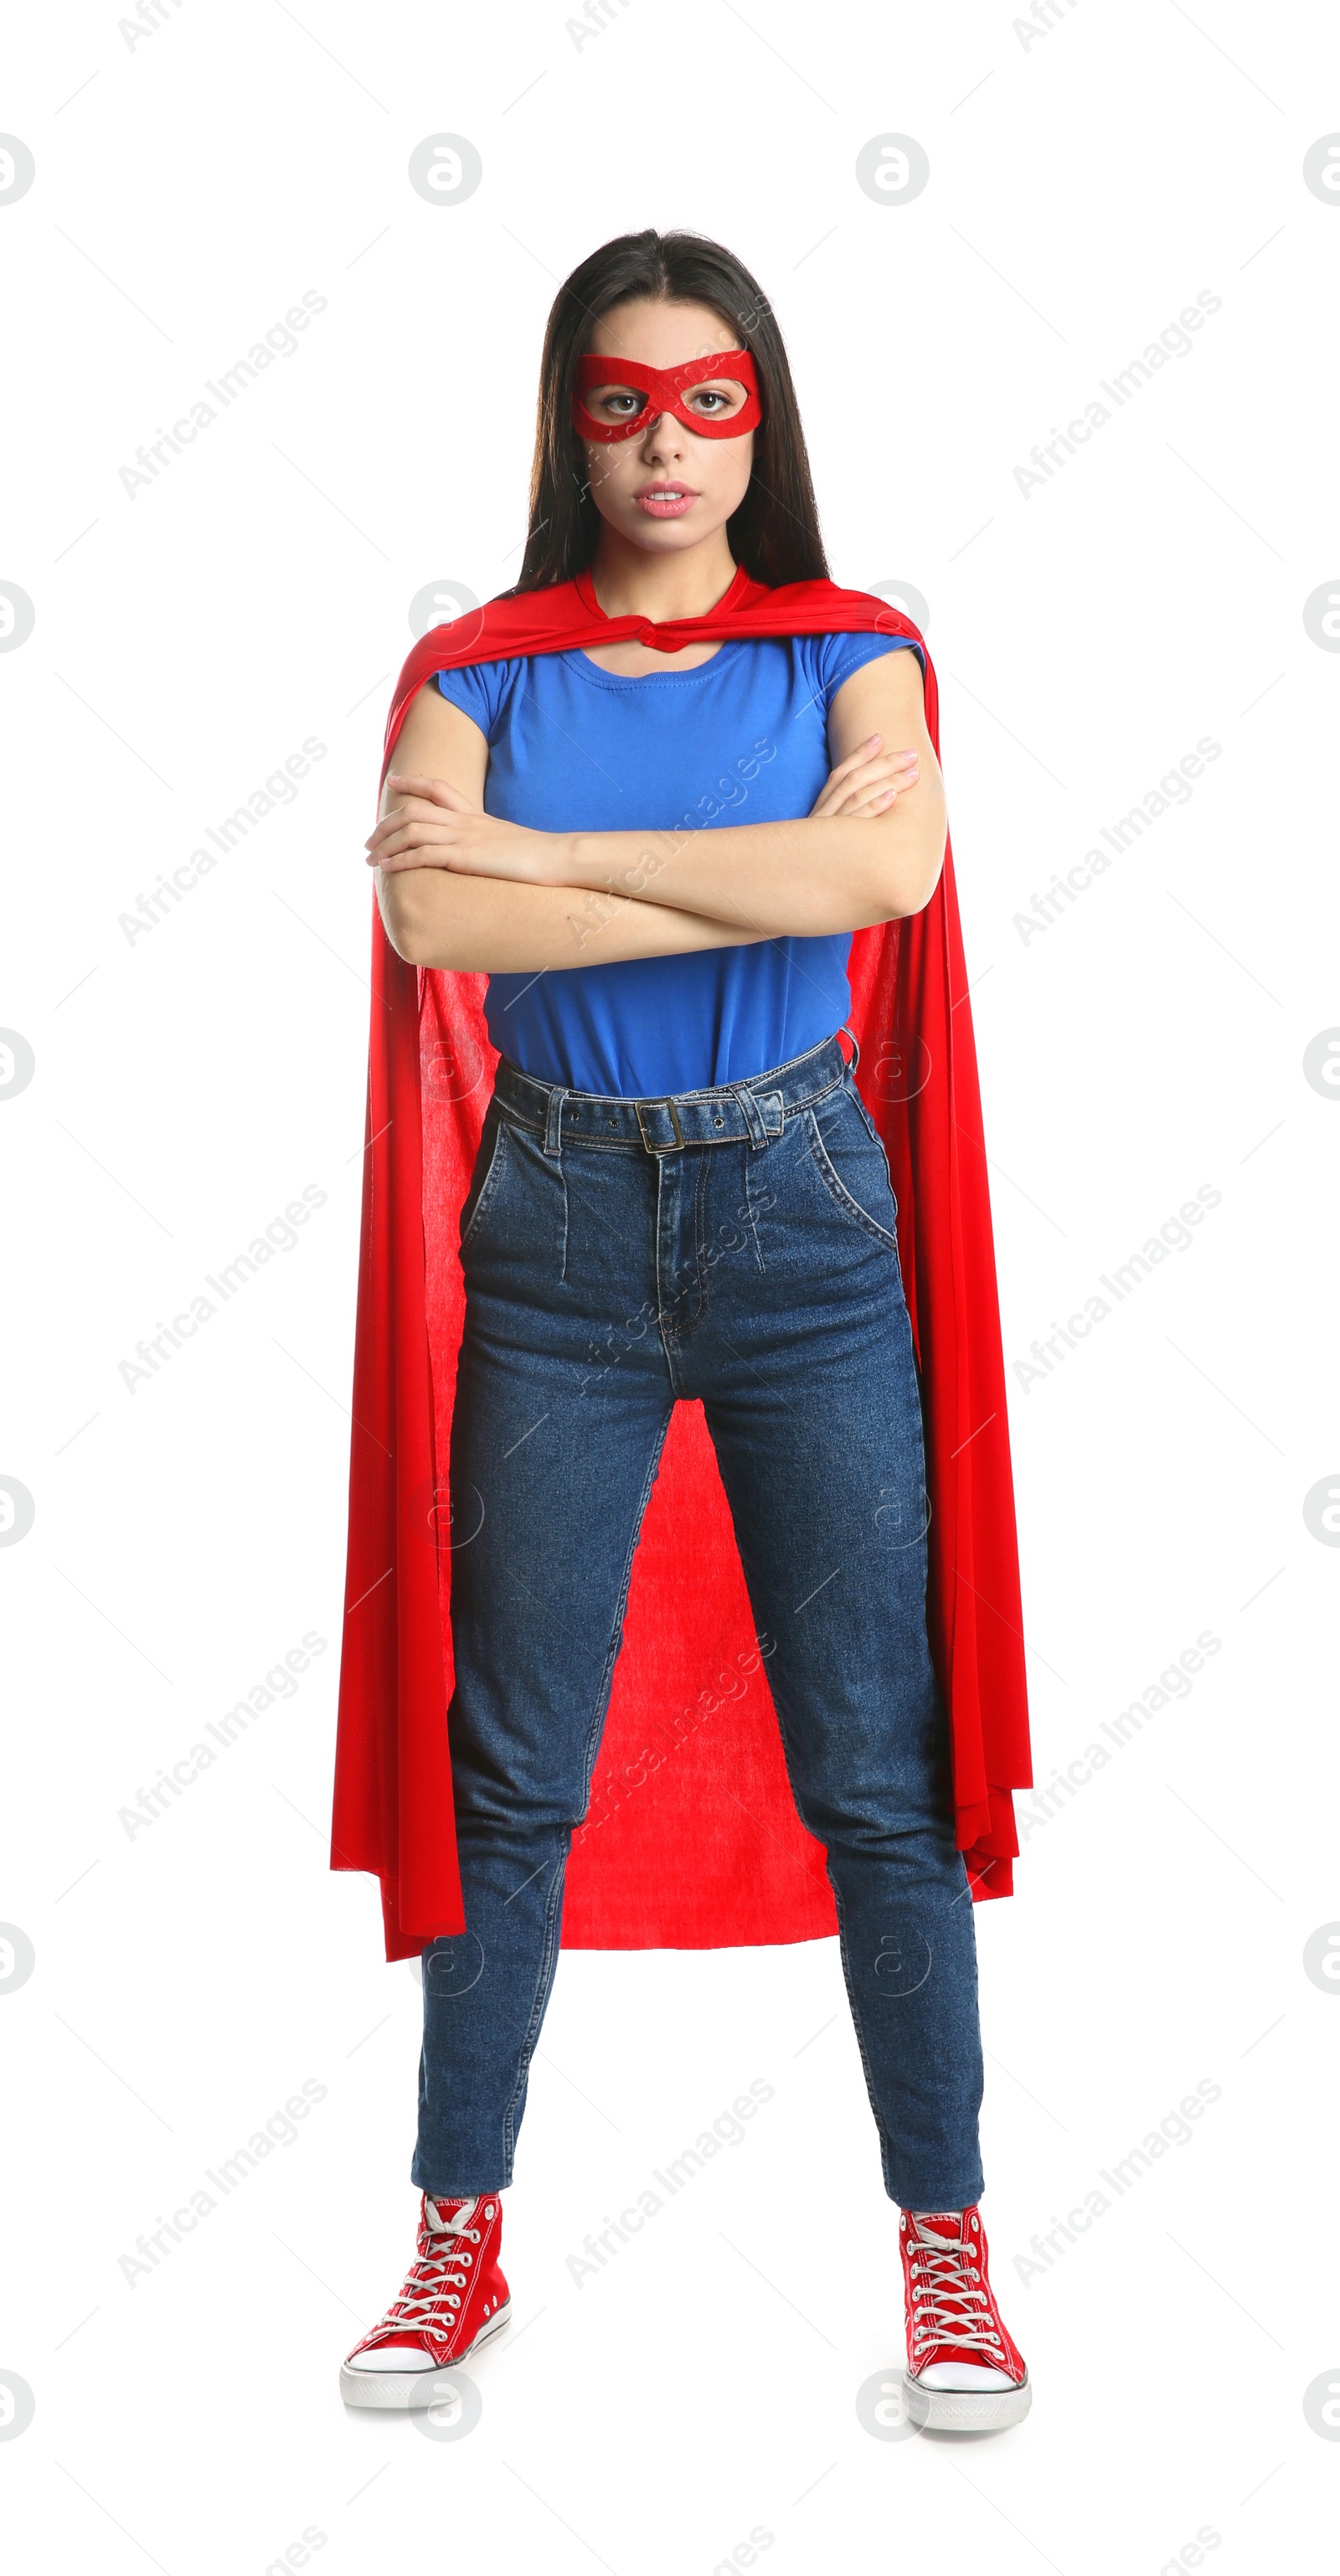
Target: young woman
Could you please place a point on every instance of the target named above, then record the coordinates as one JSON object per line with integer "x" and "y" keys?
{"x": 679, "y": 1193}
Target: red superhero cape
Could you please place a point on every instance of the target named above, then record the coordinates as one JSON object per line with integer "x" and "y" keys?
{"x": 692, "y": 1840}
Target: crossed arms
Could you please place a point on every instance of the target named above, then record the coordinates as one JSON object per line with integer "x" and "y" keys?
{"x": 464, "y": 889}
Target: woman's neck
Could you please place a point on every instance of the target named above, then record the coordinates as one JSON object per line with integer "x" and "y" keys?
{"x": 630, "y": 582}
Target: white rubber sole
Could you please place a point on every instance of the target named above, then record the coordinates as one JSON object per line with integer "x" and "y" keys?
{"x": 963, "y": 2410}
{"x": 408, "y": 2388}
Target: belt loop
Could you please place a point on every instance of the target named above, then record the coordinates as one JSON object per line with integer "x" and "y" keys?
{"x": 855, "y": 1046}
{"x": 553, "y": 1121}
{"x": 752, "y": 1115}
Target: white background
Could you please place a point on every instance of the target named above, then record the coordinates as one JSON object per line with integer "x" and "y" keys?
{"x": 1084, "y": 187}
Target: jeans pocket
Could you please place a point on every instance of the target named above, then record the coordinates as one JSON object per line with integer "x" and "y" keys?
{"x": 486, "y": 1178}
{"x": 868, "y": 1123}
{"x": 852, "y": 1164}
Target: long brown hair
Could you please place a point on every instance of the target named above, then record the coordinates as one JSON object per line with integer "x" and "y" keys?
{"x": 775, "y": 531}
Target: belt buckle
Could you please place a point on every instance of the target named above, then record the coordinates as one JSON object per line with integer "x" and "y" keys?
{"x": 668, "y": 1104}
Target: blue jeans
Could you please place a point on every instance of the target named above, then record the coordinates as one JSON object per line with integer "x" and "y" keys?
{"x": 735, "y": 1245}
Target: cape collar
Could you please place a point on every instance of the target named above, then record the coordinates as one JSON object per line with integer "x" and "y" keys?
{"x": 568, "y": 614}
{"x": 730, "y": 599}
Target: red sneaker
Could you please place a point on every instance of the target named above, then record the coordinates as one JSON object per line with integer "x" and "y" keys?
{"x": 454, "y": 2298}
{"x": 964, "y": 2372}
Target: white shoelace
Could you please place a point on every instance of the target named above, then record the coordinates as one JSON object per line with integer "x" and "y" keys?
{"x": 949, "y": 2304}
{"x": 434, "y": 2282}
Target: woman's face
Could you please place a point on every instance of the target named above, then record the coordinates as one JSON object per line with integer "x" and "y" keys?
{"x": 665, "y": 489}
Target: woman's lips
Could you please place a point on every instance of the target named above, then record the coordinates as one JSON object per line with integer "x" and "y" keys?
{"x": 665, "y": 501}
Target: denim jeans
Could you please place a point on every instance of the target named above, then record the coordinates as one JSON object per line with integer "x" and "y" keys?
{"x": 734, "y": 1245}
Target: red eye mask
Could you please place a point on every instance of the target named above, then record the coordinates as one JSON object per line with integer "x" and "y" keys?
{"x": 664, "y": 389}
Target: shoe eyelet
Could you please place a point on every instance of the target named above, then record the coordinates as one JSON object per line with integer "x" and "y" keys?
{"x": 489, "y": 2211}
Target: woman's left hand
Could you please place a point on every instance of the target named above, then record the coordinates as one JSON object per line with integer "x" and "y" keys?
{"x": 432, "y": 825}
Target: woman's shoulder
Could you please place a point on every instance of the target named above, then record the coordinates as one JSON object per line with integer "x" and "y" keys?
{"x": 823, "y": 662}
{"x": 481, "y": 689}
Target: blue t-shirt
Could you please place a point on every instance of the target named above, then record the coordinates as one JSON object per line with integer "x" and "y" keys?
{"x": 741, "y": 739}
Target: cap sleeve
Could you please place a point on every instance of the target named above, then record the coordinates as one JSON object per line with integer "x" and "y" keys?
{"x": 478, "y": 689}
{"x": 840, "y": 655}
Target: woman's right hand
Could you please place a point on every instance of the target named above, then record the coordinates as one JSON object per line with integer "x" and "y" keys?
{"x": 868, "y": 781}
